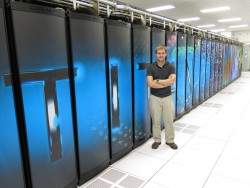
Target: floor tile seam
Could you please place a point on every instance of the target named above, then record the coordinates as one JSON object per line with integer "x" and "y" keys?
{"x": 166, "y": 162}
{"x": 197, "y": 149}
{"x": 187, "y": 129}
{"x": 160, "y": 169}
{"x": 226, "y": 177}
{"x": 245, "y": 109}
{"x": 123, "y": 178}
{"x": 210, "y": 138}
{"x": 94, "y": 178}
{"x": 241, "y": 160}
{"x": 210, "y": 119}
{"x": 173, "y": 155}
{"x": 129, "y": 174}
{"x": 219, "y": 156}
{"x": 199, "y": 170}
{"x": 224, "y": 127}
{"x": 207, "y": 120}
{"x": 192, "y": 167}
{"x": 140, "y": 152}
{"x": 154, "y": 183}
{"x": 239, "y": 119}
{"x": 113, "y": 183}
{"x": 217, "y": 139}
{"x": 223, "y": 105}
{"x": 191, "y": 138}
{"x": 188, "y": 124}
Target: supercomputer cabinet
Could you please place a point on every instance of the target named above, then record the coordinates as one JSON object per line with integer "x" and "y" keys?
{"x": 181, "y": 74}
{"x": 41, "y": 54}
{"x": 171, "y": 43}
{"x": 11, "y": 167}
{"x": 141, "y": 60}
{"x": 120, "y": 87}
{"x": 189, "y": 73}
{"x": 89, "y": 61}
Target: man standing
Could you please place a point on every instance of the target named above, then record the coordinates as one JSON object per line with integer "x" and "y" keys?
{"x": 160, "y": 77}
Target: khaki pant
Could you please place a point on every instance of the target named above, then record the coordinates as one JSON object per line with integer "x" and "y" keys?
{"x": 162, "y": 107}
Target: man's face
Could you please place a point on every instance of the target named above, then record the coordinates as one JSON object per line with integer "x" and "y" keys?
{"x": 161, "y": 55}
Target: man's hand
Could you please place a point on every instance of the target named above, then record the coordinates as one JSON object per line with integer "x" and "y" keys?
{"x": 153, "y": 83}
{"x": 168, "y": 82}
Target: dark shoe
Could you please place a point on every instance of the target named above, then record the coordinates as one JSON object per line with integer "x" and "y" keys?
{"x": 172, "y": 145}
{"x": 155, "y": 145}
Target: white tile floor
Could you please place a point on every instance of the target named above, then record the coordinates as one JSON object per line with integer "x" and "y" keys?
{"x": 214, "y": 148}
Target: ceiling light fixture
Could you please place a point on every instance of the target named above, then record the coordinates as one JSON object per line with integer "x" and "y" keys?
{"x": 236, "y": 26}
{"x": 217, "y": 30}
{"x": 218, "y": 9}
{"x": 155, "y": 9}
{"x": 229, "y": 20}
{"x": 189, "y": 19}
{"x": 209, "y": 25}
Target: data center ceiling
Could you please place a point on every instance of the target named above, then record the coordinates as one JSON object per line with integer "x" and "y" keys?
{"x": 191, "y": 8}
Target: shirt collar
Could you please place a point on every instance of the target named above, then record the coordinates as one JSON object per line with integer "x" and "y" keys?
{"x": 162, "y": 65}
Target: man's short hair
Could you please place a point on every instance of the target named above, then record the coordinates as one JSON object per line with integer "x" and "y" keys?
{"x": 160, "y": 47}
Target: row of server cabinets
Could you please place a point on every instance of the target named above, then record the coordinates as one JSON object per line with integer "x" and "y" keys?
{"x": 73, "y": 91}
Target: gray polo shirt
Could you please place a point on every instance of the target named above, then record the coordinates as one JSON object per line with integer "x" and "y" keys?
{"x": 161, "y": 73}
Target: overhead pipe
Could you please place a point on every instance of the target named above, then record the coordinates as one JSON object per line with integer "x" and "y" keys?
{"x": 114, "y": 4}
{"x": 164, "y": 19}
{"x": 128, "y": 8}
{"x": 86, "y": 3}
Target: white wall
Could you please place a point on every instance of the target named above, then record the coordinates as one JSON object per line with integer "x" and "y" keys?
{"x": 244, "y": 36}
{"x": 226, "y": 34}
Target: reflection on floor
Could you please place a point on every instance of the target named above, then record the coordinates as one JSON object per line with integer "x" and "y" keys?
{"x": 214, "y": 149}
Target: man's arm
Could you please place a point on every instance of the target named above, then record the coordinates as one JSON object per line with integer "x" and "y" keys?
{"x": 168, "y": 82}
{"x": 153, "y": 84}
